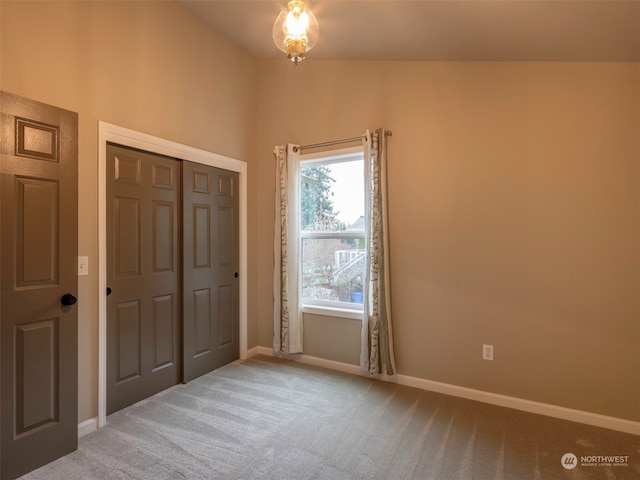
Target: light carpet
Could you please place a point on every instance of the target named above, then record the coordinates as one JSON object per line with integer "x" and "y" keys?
{"x": 266, "y": 418}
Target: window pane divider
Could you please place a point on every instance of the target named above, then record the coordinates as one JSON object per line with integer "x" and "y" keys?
{"x": 336, "y": 235}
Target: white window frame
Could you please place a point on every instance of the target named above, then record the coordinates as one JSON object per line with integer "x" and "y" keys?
{"x": 327, "y": 307}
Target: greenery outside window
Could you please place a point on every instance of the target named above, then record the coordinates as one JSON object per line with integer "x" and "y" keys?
{"x": 332, "y": 230}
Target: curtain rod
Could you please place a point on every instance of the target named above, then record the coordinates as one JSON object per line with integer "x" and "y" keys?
{"x": 336, "y": 142}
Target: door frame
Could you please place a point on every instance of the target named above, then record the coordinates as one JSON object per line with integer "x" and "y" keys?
{"x": 130, "y": 138}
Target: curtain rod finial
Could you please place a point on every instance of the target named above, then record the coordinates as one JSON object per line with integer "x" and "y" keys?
{"x": 388, "y": 133}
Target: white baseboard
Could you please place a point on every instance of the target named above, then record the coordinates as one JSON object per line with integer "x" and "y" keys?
{"x": 564, "y": 413}
{"x": 331, "y": 364}
{"x": 259, "y": 351}
{"x": 580, "y": 416}
{"x": 87, "y": 426}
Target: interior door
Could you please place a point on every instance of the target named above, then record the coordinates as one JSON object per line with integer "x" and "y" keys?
{"x": 38, "y": 284}
{"x": 211, "y": 260}
{"x": 143, "y": 275}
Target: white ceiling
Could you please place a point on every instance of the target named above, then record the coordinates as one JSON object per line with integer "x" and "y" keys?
{"x": 471, "y": 30}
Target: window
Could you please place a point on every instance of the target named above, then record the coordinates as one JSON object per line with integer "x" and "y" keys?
{"x": 332, "y": 230}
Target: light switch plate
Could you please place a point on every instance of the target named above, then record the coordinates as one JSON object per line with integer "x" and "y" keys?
{"x": 83, "y": 266}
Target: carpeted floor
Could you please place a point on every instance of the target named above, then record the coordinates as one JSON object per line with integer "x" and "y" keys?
{"x": 267, "y": 418}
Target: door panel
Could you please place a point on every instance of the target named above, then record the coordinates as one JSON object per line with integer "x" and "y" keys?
{"x": 210, "y": 259}
{"x": 225, "y": 315}
{"x": 35, "y": 386}
{"x": 127, "y": 341}
{"x": 163, "y": 237}
{"x": 37, "y": 232}
{"x": 227, "y": 264}
{"x": 143, "y": 272}
{"x": 38, "y": 258}
{"x": 127, "y": 233}
{"x": 201, "y": 236}
{"x": 202, "y": 315}
{"x": 163, "y": 308}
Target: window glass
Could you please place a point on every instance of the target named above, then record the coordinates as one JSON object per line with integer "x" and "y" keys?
{"x": 332, "y": 196}
{"x": 332, "y": 269}
{"x": 332, "y": 231}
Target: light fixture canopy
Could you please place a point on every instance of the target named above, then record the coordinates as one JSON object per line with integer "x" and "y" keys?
{"x": 296, "y": 30}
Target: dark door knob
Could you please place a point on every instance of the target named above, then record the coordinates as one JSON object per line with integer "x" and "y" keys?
{"x": 68, "y": 299}
{"x": 108, "y": 291}
{"x": 235, "y": 274}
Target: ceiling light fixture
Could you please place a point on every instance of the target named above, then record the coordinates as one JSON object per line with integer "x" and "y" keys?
{"x": 296, "y": 30}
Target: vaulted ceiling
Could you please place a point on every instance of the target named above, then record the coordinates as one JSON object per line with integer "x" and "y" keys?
{"x": 456, "y": 30}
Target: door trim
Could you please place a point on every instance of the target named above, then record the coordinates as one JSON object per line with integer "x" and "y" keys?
{"x": 130, "y": 138}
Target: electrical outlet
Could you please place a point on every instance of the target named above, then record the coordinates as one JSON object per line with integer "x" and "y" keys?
{"x": 83, "y": 266}
{"x": 487, "y": 352}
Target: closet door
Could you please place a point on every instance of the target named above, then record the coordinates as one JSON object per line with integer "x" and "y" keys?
{"x": 143, "y": 274}
{"x": 210, "y": 262}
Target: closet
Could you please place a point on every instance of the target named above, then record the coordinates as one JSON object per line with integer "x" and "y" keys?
{"x": 172, "y": 272}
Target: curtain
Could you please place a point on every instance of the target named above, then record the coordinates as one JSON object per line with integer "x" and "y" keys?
{"x": 287, "y": 312}
{"x": 376, "y": 353}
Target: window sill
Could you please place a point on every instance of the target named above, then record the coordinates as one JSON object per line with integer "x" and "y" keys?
{"x": 332, "y": 312}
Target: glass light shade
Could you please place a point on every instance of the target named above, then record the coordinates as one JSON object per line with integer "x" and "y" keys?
{"x": 296, "y": 30}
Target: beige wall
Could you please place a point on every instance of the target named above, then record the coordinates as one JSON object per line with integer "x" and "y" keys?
{"x": 514, "y": 188}
{"x": 332, "y": 338}
{"x": 147, "y": 66}
{"x": 514, "y": 217}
